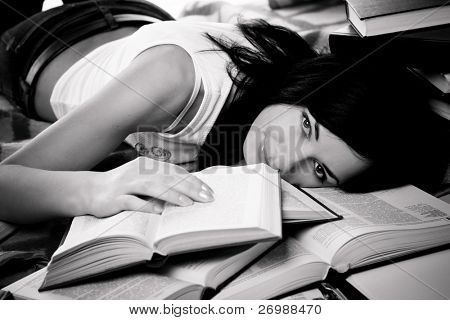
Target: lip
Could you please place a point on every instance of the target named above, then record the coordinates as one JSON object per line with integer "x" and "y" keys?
{"x": 262, "y": 152}
{"x": 262, "y": 155}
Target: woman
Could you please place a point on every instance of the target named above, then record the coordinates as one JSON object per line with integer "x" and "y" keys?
{"x": 178, "y": 91}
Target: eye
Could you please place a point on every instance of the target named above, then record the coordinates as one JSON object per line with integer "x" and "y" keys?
{"x": 306, "y": 124}
{"x": 319, "y": 171}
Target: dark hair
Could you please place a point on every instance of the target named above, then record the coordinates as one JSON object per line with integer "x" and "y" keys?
{"x": 373, "y": 107}
{"x": 383, "y": 114}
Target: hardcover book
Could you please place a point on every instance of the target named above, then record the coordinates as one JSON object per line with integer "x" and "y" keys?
{"x": 375, "y": 17}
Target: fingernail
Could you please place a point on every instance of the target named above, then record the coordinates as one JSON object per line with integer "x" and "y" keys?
{"x": 207, "y": 189}
{"x": 158, "y": 207}
{"x": 185, "y": 200}
{"x": 206, "y": 195}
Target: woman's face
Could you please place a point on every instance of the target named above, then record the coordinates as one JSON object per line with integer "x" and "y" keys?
{"x": 288, "y": 138}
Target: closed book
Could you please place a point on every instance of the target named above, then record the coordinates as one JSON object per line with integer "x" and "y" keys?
{"x": 427, "y": 48}
{"x": 375, "y": 17}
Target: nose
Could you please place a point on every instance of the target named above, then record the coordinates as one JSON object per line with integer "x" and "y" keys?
{"x": 282, "y": 153}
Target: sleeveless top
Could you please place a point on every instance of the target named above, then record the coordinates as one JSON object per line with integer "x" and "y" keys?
{"x": 90, "y": 74}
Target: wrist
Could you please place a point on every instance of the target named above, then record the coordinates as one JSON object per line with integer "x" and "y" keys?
{"x": 85, "y": 188}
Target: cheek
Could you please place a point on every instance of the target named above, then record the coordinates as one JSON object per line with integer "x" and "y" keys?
{"x": 252, "y": 145}
{"x": 278, "y": 127}
{"x": 255, "y": 135}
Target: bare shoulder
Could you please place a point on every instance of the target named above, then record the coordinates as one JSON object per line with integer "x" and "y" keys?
{"x": 168, "y": 69}
{"x": 174, "y": 62}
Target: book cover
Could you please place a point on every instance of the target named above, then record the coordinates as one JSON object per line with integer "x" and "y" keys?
{"x": 374, "y": 8}
{"x": 372, "y": 17}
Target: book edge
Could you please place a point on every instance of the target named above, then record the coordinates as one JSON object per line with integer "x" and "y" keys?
{"x": 364, "y": 17}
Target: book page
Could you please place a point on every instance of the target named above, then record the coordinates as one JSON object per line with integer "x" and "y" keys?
{"x": 213, "y": 268}
{"x": 232, "y": 208}
{"x": 138, "y": 286}
{"x": 405, "y": 208}
{"x": 297, "y": 205}
{"x": 127, "y": 223}
{"x": 426, "y": 277}
{"x": 286, "y": 267}
{"x": 294, "y": 198}
{"x": 312, "y": 294}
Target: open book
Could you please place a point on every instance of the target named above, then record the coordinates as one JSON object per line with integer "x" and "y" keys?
{"x": 181, "y": 278}
{"x": 246, "y": 209}
{"x": 376, "y": 226}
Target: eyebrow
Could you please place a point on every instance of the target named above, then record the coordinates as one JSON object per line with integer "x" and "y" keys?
{"x": 330, "y": 173}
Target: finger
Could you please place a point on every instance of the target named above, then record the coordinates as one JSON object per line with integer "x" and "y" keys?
{"x": 198, "y": 182}
{"x": 176, "y": 189}
{"x": 161, "y": 189}
{"x": 175, "y": 170}
{"x": 193, "y": 188}
{"x": 171, "y": 194}
{"x": 133, "y": 203}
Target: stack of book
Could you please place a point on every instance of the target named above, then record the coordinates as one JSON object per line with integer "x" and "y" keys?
{"x": 249, "y": 255}
{"x": 414, "y": 33}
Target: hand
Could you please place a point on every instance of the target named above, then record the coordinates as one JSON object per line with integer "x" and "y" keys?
{"x": 124, "y": 187}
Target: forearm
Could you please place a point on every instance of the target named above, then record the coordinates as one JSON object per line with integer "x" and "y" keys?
{"x": 29, "y": 195}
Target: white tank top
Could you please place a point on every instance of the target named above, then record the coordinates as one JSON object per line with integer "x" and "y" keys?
{"x": 90, "y": 74}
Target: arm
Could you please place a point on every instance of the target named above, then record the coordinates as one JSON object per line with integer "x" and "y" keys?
{"x": 29, "y": 195}
{"x": 38, "y": 176}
